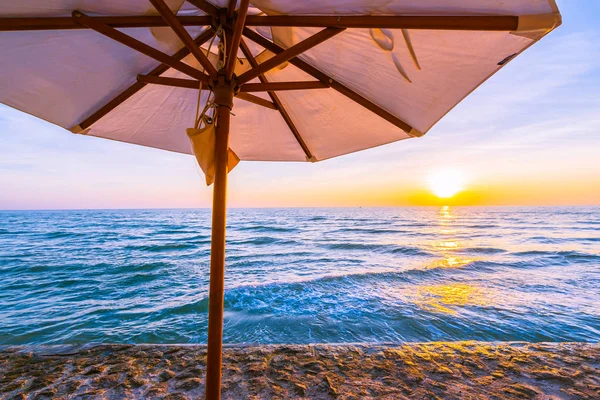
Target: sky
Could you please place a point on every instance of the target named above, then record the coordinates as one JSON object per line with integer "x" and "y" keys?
{"x": 529, "y": 136}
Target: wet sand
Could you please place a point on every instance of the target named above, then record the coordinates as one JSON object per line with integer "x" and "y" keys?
{"x": 463, "y": 370}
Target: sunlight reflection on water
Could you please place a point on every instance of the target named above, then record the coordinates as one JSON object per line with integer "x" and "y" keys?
{"x": 440, "y": 297}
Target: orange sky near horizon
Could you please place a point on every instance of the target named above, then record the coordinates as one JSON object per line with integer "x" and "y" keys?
{"x": 536, "y": 193}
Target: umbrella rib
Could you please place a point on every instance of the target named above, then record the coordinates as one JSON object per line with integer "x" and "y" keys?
{"x": 206, "y": 7}
{"x": 471, "y": 23}
{"x": 284, "y": 114}
{"x": 256, "y": 100}
{"x": 231, "y": 8}
{"x": 236, "y": 37}
{"x": 60, "y": 23}
{"x": 192, "y": 84}
{"x": 246, "y": 88}
{"x": 280, "y": 86}
{"x": 458, "y": 22}
{"x": 137, "y": 86}
{"x": 174, "y": 82}
{"x": 339, "y": 87}
{"x": 289, "y": 53}
{"x": 171, "y": 19}
{"x": 138, "y": 46}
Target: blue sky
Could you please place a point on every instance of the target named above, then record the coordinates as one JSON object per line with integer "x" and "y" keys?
{"x": 530, "y": 135}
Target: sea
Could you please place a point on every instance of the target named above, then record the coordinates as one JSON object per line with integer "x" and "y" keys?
{"x": 302, "y": 275}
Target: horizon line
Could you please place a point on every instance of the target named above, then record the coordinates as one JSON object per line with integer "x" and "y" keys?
{"x": 301, "y": 207}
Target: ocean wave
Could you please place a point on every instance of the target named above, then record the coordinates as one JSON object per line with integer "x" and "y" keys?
{"x": 532, "y": 253}
{"x": 260, "y": 256}
{"x": 408, "y": 276}
{"x": 138, "y": 279}
{"x": 61, "y": 234}
{"x": 384, "y": 248}
{"x": 169, "y": 310}
{"x": 567, "y": 255}
{"x": 578, "y": 256}
{"x": 417, "y": 225}
{"x": 139, "y": 267}
{"x": 584, "y": 239}
{"x": 262, "y": 296}
{"x": 481, "y": 250}
{"x": 264, "y": 240}
{"x": 546, "y": 239}
{"x": 198, "y": 306}
{"x": 156, "y": 248}
{"x": 174, "y": 231}
{"x": 265, "y": 228}
{"x": 373, "y": 231}
{"x": 73, "y": 283}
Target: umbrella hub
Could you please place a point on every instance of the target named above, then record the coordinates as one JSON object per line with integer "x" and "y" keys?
{"x": 224, "y": 92}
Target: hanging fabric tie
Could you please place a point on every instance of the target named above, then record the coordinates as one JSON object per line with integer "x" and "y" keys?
{"x": 203, "y": 146}
{"x": 203, "y": 136}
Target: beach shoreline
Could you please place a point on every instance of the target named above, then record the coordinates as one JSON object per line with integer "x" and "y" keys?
{"x": 448, "y": 370}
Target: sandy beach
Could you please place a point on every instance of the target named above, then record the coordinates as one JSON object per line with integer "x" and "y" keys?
{"x": 461, "y": 370}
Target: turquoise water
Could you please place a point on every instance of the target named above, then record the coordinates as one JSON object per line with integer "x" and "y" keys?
{"x": 302, "y": 275}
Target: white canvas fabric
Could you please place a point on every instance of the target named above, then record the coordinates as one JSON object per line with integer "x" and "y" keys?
{"x": 65, "y": 76}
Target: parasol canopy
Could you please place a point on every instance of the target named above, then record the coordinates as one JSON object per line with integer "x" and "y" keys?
{"x": 390, "y": 78}
{"x": 275, "y": 80}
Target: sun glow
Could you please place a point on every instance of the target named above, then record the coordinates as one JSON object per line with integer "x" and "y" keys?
{"x": 445, "y": 184}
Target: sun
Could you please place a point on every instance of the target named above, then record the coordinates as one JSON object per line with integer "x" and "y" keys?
{"x": 446, "y": 183}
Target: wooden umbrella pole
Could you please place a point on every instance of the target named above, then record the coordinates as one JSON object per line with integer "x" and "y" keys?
{"x": 224, "y": 101}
